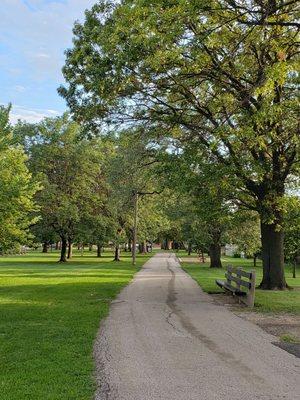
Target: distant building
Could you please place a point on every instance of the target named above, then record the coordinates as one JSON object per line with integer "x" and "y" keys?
{"x": 231, "y": 249}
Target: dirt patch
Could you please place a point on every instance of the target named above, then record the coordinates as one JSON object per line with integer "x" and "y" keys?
{"x": 286, "y": 327}
{"x": 280, "y": 325}
{"x": 227, "y": 300}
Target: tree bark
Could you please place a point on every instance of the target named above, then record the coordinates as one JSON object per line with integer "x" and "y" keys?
{"x": 63, "y": 251}
{"x": 215, "y": 255}
{"x": 294, "y": 268}
{"x": 272, "y": 257}
{"x": 117, "y": 253}
{"x": 99, "y": 248}
{"x": 202, "y": 257}
{"x": 70, "y": 249}
{"x": 45, "y": 247}
{"x": 143, "y": 247}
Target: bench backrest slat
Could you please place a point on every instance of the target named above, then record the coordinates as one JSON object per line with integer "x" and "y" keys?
{"x": 243, "y": 273}
{"x": 237, "y": 280}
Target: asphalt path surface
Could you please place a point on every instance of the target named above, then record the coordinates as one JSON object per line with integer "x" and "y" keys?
{"x": 166, "y": 339}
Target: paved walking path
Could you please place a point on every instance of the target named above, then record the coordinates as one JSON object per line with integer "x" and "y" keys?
{"x": 166, "y": 339}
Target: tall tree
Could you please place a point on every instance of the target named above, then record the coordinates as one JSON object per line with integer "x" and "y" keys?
{"x": 70, "y": 169}
{"x": 17, "y": 188}
{"x": 206, "y": 190}
{"x": 131, "y": 177}
{"x": 221, "y": 75}
{"x": 245, "y": 233}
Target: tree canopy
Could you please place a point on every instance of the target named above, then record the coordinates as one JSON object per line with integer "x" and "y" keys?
{"x": 223, "y": 78}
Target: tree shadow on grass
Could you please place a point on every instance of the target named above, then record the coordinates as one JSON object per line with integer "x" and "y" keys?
{"x": 74, "y": 276}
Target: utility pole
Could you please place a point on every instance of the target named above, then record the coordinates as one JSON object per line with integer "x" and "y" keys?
{"x": 136, "y": 198}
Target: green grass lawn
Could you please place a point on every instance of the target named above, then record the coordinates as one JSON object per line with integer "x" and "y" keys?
{"x": 49, "y": 317}
{"x": 265, "y": 301}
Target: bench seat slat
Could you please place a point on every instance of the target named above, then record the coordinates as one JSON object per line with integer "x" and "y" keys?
{"x": 234, "y": 290}
{"x": 225, "y": 285}
{"x": 220, "y": 283}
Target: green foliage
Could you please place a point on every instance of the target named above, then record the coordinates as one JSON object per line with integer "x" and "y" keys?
{"x": 245, "y": 233}
{"x": 72, "y": 176}
{"x": 292, "y": 229}
{"x": 132, "y": 171}
{"x": 224, "y": 77}
{"x": 219, "y": 79}
{"x": 204, "y": 190}
{"x": 17, "y": 189}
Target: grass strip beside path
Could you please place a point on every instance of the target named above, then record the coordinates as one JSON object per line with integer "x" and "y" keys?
{"x": 49, "y": 317}
{"x": 287, "y": 301}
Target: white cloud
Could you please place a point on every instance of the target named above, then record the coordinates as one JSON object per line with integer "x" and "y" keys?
{"x": 41, "y": 31}
{"x": 30, "y": 115}
{"x": 42, "y": 55}
{"x": 33, "y": 37}
{"x": 19, "y": 88}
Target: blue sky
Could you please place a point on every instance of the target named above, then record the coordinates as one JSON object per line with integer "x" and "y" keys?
{"x": 33, "y": 37}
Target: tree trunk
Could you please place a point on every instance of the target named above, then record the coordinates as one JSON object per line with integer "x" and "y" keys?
{"x": 45, "y": 247}
{"x": 90, "y": 247}
{"x": 70, "y": 249}
{"x": 189, "y": 248}
{"x": 99, "y": 248}
{"x": 215, "y": 255}
{"x": 294, "y": 268}
{"x": 254, "y": 260}
{"x": 117, "y": 253}
{"x": 202, "y": 257}
{"x": 57, "y": 246}
{"x": 272, "y": 257}
{"x": 63, "y": 251}
{"x": 215, "y": 248}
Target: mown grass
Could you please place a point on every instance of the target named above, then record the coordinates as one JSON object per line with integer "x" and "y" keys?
{"x": 49, "y": 317}
{"x": 265, "y": 301}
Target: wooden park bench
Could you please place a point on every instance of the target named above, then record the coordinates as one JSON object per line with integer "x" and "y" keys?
{"x": 243, "y": 288}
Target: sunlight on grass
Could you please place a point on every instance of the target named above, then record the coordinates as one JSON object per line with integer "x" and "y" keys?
{"x": 49, "y": 317}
